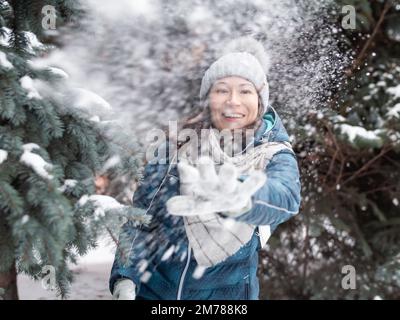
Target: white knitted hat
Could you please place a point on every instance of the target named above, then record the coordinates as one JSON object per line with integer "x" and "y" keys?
{"x": 245, "y": 57}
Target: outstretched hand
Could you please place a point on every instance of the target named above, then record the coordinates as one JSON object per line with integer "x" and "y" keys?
{"x": 203, "y": 191}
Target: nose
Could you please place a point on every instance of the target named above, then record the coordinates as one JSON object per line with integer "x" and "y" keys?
{"x": 234, "y": 99}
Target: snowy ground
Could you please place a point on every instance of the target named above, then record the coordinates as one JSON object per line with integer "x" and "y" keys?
{"x": 91, "y": 278}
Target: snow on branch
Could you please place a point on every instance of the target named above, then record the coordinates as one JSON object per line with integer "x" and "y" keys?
{"x": 3, "y": 156}
{"x": 5, "y": 36}
{"x": 394, "y": 91}
{"x": 103, "y": 204}
{"x": 356, "y": 132}
{"x": 394, "y": 112}
{"x": 4, "y": 61}
{"x": 58, "y": 72}
{"x": 36, "y": 162}
{"x": 68, "y": 184}
{"x": 33, "y": 42}
{"x": 27, "y": 84}
{"x": 89, "y": 102}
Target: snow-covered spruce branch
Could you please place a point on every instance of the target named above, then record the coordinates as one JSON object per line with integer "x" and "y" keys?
{"x": 109, "y": 215}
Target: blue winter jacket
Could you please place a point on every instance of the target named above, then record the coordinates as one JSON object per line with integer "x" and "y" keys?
{"x": 144, "y": 254}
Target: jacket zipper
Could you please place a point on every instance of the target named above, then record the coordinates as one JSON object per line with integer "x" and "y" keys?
{"x": 183, "y": 275}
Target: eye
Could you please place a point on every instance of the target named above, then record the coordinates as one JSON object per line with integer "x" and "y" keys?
{"x": 221, "y": 91}
{"x": 246, "y": 91}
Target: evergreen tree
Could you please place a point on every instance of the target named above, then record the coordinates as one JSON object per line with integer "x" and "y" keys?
{"x": 51, "y": 149}
{"x": 349, "y": 156}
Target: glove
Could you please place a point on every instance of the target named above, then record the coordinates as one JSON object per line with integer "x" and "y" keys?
{"x": 204, "y": 192}
{"x": 124, "y": 289}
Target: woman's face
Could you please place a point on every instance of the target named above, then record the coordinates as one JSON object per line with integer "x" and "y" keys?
{"x": 233, "y": 103}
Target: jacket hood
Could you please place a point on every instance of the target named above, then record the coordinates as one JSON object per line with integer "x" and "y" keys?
{"x": 271, "y": 128}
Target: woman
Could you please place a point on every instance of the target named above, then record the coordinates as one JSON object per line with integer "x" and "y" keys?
{"x": 208, "y": 227}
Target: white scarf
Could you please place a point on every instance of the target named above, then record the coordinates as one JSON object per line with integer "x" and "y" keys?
{"x": 212, "y": 237}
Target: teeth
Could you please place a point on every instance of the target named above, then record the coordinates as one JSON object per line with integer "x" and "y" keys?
{"x": 233, "y": 115}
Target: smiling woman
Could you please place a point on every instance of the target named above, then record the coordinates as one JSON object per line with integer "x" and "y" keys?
{"x": 234, "y": 103}
{"x": 211, "y": 215}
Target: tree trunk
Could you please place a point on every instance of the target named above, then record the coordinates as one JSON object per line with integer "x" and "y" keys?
{"x": 8, "y": 282}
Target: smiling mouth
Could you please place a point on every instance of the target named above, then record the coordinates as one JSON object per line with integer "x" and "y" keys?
{"x": 232, "y": 115}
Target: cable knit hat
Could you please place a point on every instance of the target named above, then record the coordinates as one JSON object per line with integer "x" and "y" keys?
{"x": 243, "y": 57}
